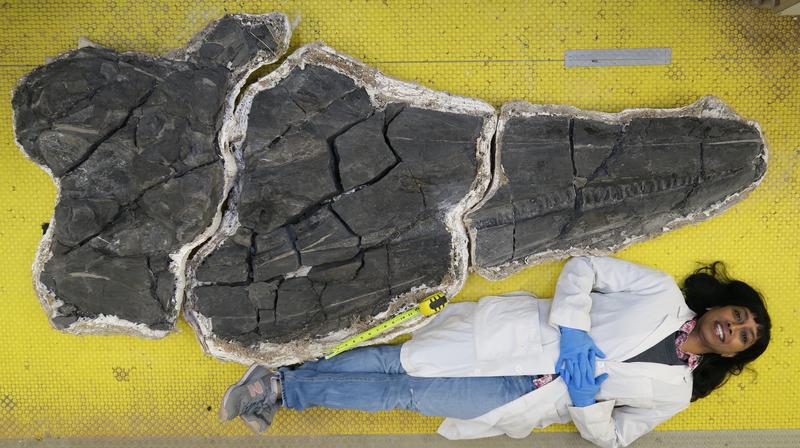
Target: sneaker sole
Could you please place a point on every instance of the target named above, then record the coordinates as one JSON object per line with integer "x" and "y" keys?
{"x": 223, "y": 414}
{"x": 255, "y": 423}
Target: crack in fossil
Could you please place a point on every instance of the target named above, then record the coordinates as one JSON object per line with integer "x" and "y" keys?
{"x": 154, "y": 285}
{"x": 93, "y": 147}
{"x": 125, "y": 207}
{"x": 334, "y": 155}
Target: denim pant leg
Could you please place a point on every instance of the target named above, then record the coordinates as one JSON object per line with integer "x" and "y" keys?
{"x": 374, "y": 359}
{"x": 365, "y": 391}
{"x": 463, "y": 398}
{"x": 468, "y": 397}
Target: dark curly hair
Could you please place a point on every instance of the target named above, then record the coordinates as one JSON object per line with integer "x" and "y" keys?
{"x": 710, "y": 287}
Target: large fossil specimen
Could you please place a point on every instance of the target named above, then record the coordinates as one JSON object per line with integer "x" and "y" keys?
{"x": 324, "y": 196}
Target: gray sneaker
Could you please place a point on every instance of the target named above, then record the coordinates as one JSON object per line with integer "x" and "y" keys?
{"x": 251, "y": 392}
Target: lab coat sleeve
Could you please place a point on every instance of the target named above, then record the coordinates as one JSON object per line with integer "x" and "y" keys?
{"x": 457, "y": 429}
{"x": 610, "y": 427}
{"x": 582, "y": 275}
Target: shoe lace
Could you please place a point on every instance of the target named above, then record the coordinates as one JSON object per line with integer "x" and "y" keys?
{"x": 258, "y": 405}
{"x": 254, "y": 407}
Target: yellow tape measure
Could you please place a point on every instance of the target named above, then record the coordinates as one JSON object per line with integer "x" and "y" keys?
{"x": 428, "y": 306}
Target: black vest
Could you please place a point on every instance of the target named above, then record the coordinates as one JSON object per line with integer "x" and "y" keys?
{"x": 662, "y": 353}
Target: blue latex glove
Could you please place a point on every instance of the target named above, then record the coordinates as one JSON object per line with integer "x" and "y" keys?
{"x": 577, "y": 351}
{"x": 582, "y": 384}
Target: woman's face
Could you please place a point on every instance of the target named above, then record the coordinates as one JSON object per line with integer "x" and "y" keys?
{"x": 727, "y": 330}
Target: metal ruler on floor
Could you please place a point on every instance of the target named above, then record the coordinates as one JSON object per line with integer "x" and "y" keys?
{"x": 618, "y": 56}
{"x": 428, "y": 306}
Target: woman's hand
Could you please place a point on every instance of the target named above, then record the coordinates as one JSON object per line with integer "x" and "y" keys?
{"x": 576, "y": 346}
{"x": 575, "y": 364}
{"x": 582, "y": 385}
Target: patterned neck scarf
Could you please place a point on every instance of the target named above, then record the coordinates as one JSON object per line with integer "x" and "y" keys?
{"x": 683, "y": 334}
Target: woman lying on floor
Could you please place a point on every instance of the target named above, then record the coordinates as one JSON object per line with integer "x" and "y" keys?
{"x": 619, "y": 350}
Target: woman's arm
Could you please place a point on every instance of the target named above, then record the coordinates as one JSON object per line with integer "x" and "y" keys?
{"x": 582, "y": 275}
{"x": 610, "y": 427}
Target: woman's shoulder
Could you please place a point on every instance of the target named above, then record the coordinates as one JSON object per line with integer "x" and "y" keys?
{"x": 633, "y": 277}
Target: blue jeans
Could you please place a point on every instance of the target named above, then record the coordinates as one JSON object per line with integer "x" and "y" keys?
{"x": 372, "y": 379}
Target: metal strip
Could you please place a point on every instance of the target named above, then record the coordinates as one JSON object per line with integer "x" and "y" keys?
{"x": 624, "y": 56}
{"x": 657, "y": 439}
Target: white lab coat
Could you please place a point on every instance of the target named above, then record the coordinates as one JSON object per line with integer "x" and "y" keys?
{"x": 627, "y": 308}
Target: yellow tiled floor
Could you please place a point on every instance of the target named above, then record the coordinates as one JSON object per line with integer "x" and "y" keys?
{"x": 59, "y": 385}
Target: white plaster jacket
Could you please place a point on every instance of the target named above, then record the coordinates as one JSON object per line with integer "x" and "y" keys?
{"x": 626, "y": 308}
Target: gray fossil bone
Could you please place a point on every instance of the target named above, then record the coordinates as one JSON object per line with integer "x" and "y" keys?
{"x": 132, "y": 144}
{"x": 348, "y": 206}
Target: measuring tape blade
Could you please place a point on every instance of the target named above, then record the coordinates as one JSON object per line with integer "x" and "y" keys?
{"x": 428, "y": 306}
{"x": 372, "y": 332}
